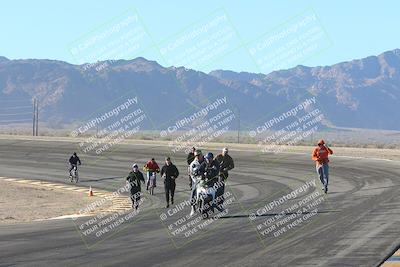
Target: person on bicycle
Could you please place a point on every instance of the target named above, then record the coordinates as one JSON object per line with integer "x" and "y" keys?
{"x": 74, "y": 161}
{"x": 151, "y": 168}
{"x": 135, "y": 177}
{"x": 320, "y": 156}
{"x": 170, "y": 172}
{"x": 226, "y": 164}
{"x": 190, "y": 157}
{"x": 196, "y": 172}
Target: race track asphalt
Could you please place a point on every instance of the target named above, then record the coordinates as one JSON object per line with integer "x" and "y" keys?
{"x": 355, "y": 224}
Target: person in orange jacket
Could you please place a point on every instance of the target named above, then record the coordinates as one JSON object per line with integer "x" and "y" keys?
{"x": 320, "y": 156}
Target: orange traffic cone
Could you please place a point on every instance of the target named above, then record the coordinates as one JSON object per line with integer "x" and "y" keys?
{"x": 90, "y": 191}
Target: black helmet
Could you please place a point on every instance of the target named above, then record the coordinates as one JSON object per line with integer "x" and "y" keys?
{"x": 74, "y": 154}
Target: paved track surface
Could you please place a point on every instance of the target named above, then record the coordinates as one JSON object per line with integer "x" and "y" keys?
{"x": 356, "y": 223}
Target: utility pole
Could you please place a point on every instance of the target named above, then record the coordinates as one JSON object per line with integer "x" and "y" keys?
{"x": 34, "y": 118}
{"x": 35, "y": 122}
{"x": 238, "y": 133}
{"x": 37, "y": 117}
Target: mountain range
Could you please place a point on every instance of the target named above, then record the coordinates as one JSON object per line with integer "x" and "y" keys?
{"x": 362, "y": 93}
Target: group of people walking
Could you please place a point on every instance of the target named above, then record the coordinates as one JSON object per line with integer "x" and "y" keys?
{"x": 208, "y": 168}
{"x": 135, "y": 178}
{"x": 216, "y": 170}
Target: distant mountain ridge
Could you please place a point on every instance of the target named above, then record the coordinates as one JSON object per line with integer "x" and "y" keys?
{"x": 362, "y": 93}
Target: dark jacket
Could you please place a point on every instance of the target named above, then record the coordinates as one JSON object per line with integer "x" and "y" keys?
{"x": 212, "y": 171}
{"x": 171, "y": 173}
{"x": 74, "y": 160}
{"x": 134, "y": 179}
{"x": 190, "y": 158}
{"x": 225, "y": 163}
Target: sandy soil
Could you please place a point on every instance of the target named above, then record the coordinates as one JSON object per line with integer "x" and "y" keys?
{"x": 23, "y": 202}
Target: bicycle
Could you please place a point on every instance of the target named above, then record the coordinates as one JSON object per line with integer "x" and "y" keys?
{"x": 73, "y": 174}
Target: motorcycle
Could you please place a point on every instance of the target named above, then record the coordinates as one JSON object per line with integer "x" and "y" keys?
{"x": 205, "y": 196}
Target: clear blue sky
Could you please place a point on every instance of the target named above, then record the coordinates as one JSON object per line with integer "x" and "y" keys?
{"x": 46, "y": 29}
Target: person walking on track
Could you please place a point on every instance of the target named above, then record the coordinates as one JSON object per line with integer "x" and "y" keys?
{"x": 135, "y": 177}
{"x": 170, "y": 172}
{"x": 226, "y": 164}
{"x": 320, "y": 156}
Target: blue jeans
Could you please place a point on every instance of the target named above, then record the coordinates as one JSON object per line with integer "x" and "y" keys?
{"x": 148, "y": 179}
{"x": 193, "y": 192}
{"x": 323, "y": 173}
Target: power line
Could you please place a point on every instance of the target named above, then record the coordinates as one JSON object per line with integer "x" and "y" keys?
{"x": 8, "y": 121}
{"x": 18, "y": 107}
{"x": 15, "y": 114}
{"x": 13, "y": 101}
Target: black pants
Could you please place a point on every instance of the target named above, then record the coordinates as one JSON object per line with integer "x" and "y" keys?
{"x": 135, "y": 197}
{"x": 221, "y": 188}
{"x": 169, "y": 187}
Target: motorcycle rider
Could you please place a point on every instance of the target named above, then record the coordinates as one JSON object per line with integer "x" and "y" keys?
{"x": 196, "y": 171}
{"x": 74, "y": 161}
{"x": 190, "y": 157}
{"x": 211, "y": 169}
{"x": 135, "y": 177}
{"x": 151, "y": 168}
{"x": 226, "y": 164}
{"x": 170, "y": 172}
{"x": 320, "y": 156}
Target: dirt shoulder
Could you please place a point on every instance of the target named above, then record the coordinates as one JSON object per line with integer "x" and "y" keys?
{"x": 25, "y": 202}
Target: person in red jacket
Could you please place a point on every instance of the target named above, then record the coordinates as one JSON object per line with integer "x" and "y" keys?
{"x": 151, "y": 168}
{"x": 320, "y": 156}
